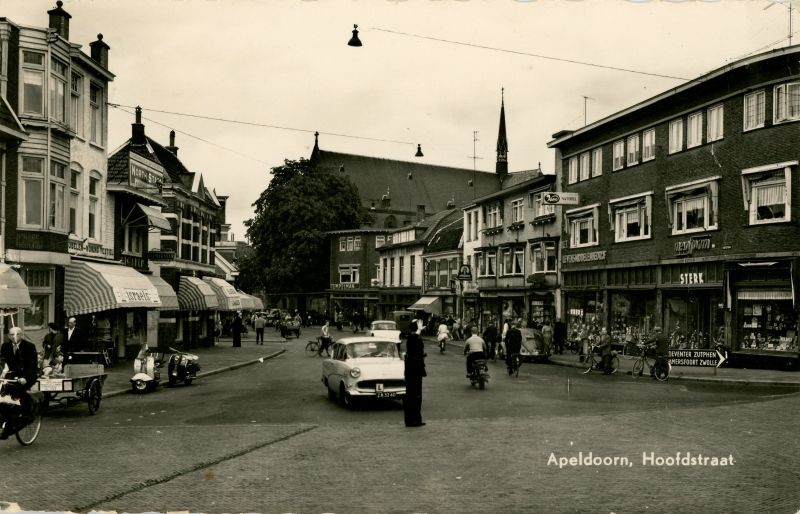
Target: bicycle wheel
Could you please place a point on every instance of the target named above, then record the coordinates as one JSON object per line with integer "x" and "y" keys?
{"x": 517, "y": 365}
{"x": 662, "y": 371}
{"x": 614, "y": 364}
{"x": 588, "y": 364}
{"x": 312, "y": 349}
{"x": 630, "y": 351}
{"x": 26, "y": 434}
{"x": 638, "y": 368}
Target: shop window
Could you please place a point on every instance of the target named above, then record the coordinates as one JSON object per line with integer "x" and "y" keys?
{"x": 583, "y": 226}
{"x": 787, "y": 102}
{"x": 40, "y": 287}
{"x": 767, "y": 193}
{"x": 767, "y": 320}
{"x": 754, "y": 111}
{"x": 693, "y": 206}
{"x": 630, "y": 217}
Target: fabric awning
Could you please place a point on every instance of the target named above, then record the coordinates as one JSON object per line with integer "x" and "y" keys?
{"x": 227, "y": 297}
{"x": 95, "y": 287}
{"x": 430, "y": 304}
{"x": 247, "y": 301}
{"x": 764, "y": 294}
{"x": 169, "y": 298}
{"x": 155, "y": 218}
{"x": 13, "y": 291}
{"x": 196, "y": 295}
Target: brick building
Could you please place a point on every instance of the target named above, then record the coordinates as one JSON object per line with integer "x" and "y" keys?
{"x": 688, "y": 212}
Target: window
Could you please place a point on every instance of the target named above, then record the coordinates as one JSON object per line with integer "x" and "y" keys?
{"x": 619, "y": 155}
{"x": 391, "y": 271}
{"x": 767, "y": 192}
{"x": 76, "y": 104}
{"x": 694, "y": 130}
{"x": 676, "y": 136}
{"x": 380, "y": 241}
{"x": 649, "y": 145}
{"x": 633, "y": 150}
{"x": 539, "y": 207}
{"x": 787, "y": 102}
{"x": 444, "y": 273}
{"x": 350, "y": 243}
{"x": 476, "y": 224}
{"x": 74, "y": 200}
{"x": 583, "y": 226}
{"x": 133, "y": 240}
{"x": 480, "y": 264}
{"x": 543, "y": 257}
{"x": 597, "y": 162}
{"x": 32, "y": 178}
{"x": 517, "y": 210}
{"x": 96, "y": 103}
{"x": 412, "y": 268}
{"x": 631, "y": 218}
{"x": 693, "y": 206}
{"x": 40, "y": 285}
{"x": 469, "y": 226}
{"x": 342, "y": 244}
{"x": 385, "y": 271}
{"x": 584, "y": 166}
{"x": 402, "y": 269}
{"x": 517, "y": 266}
{"x": 754, "y": 111}
{"x": 357, "y": 243}
{"x": 94, "y": 199}
{"x": 491, "y": 263}
{"x": 348, "y": 274}
{"x": 493, "y": 218}
{"x": 573, "y": 170}
{"x": 58, "y": 91}
{"x": 32, "y": 83}
{"x": 714, "y": 131}
{"x": 57, "y": 198}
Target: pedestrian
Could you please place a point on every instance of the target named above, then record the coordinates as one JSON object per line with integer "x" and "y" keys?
{"x": 259, "y": 325}
{"x": 547, "y": 337}
{"x": 559, "y": 335}
{"x": 414, "y": 372}
{"x": 21, "y": 363}
{"x": 51, "y": 345}
{"x": 490, "y": 335}
{"x": 236, "y": 330}
{"x": 604, "y": 347}
{"x": 74, "y": 340}
{"x": 513, "y": 343}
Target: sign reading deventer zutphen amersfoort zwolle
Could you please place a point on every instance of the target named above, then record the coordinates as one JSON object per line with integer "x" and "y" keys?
{"x": 696, "y": 358}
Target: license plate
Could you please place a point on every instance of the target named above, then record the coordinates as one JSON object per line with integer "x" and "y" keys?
{"x": 379, "y": 387}
{"x": 384, "y": 394}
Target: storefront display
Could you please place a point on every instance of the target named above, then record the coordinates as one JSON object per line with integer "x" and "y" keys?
{"x": 632, "y": 315}
{"x": 584, "y": 310}
{"x": 767, "y": 325}
{"x": 694, "y": 319}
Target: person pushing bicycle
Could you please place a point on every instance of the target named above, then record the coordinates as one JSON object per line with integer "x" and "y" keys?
{"x": 661, "y": 343}
{"x": 325, "y": 339}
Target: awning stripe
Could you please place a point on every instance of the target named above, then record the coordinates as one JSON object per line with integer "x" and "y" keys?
{"x": 13, "y": 291}
{"x": 227, "y": 297}
{"x": 429, "y": 304}
{"x": 94, "y": 287}
{"x": 168, "y": 296}
{"x": 155, "y": 218}
{"x": 764, "y": 294}
{"x": 196, "y": 295}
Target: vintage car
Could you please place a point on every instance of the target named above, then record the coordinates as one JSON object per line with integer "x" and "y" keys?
{"x": 533, "y": 346}
{"x": 364, "y": 367}
{"x": 289, "y": 327}
{"x": 384, "y": 328}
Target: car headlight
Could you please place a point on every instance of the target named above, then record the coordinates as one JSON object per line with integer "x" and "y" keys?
{"x": 355, "y": 372}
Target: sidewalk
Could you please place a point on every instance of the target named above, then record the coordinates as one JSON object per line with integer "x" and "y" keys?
{"x": 215, "y": 359}
{"x": 737, "y": 376}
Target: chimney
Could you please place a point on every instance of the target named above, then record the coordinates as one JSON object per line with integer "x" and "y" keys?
{"x": 100, "y": 51}
{"x": 137, "y": 129}
{"x": 420, "y": 212}
{"x": 172, "y": 148}
{"x": 59, "y": 20}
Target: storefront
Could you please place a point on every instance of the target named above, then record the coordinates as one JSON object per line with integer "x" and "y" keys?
{"x": 228, "y": 302}
{"x": 344, "y": 303}
{"x": 198, "y": 304}
{"x": 110, "y": 303}
{"x": 161, "y": 321}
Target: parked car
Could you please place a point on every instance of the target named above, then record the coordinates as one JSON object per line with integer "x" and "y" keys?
{"x": 364, "y": 367}
{"x": 289, "y": 327}
{"x": 384, "y": 328}
{"x": 533, "y": 347}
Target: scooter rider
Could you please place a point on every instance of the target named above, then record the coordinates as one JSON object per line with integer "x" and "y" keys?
{"x": 474, "y": 348}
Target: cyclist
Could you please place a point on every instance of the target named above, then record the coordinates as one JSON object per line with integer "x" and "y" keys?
{"x": 325, "y": 339}
{"x": 475, "y": 348}
{"x": 21, "y": 363}
{"x": 513, "y": 343}
{"x": 661, "y": 343}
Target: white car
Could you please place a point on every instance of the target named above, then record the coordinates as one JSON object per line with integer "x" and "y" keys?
{"x": 364, "y": 367}
{"x": 384, "y": 328}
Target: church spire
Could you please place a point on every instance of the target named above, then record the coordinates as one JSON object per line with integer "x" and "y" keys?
{"x": 501, "y": 167}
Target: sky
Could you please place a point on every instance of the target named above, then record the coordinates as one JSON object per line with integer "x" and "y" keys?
{"x": 430, "y": 72}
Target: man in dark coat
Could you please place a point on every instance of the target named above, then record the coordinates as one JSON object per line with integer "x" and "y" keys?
{"x": 414, "y": 371}
{"x": 19, "y": 355}
{"x": 559, "y": 335}
{"x": 52, "y": 345}
{"x": 513, "y": 343}
{"x": 236, "y": 330}
{"x": 490, "y": 335}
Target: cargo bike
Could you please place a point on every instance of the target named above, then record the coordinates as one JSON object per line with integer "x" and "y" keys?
{"x": 76, "y": 384}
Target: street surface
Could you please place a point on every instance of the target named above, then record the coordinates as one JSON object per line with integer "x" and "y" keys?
{"x": 265, "y": 438}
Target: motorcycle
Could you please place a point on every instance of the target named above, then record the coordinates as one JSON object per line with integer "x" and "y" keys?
{"x": 479, "y": 374}
{"x": 146, "y": 368}
{"x": 442, "y": 343}
{"x": 182, "y": 367}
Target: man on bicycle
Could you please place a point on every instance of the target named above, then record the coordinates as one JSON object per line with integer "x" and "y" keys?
{"x": 513, "y": 343}
{"x": 661, "y": 343}
{"x": 21, "y": 363}
{"x": 325, "y": 339}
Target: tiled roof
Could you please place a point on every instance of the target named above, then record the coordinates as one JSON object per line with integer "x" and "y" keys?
{"x": 429, "y": 185}
{"x": 118, "y": 164}
{"x": 447, "y": 237}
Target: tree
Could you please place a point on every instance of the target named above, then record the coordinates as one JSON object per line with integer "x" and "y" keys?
{"x": 292, "y": 216}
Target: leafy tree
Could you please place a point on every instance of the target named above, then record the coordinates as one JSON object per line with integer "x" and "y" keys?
{"x": 301, "y": 203}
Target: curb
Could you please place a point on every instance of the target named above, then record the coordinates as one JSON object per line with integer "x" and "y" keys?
{"x": 717, "y": 380}
{"x": 209, "y": 373}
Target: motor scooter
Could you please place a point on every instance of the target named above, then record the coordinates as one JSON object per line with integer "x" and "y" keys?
{"x": 146, "y": 368}
{"x": 182, "y": 367}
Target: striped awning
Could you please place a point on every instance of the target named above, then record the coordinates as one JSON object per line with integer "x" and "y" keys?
{"x": 764, "y": 294}
{"x": 169, "y": 298}
{"x": 95, "y": 287}
{"x": 196, "y": 295}
{"x": 13, "y": 291}
{"x": 227, "y": 297}
{"x": 247, "y": 301}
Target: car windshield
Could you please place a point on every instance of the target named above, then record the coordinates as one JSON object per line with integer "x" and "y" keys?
{"x": 384, "y": 325}
{"x": 372, "y": 349}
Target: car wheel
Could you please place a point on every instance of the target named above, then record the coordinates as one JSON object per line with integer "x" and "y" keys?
{"x": 331, "y": 394}
{"x": 347, "y": 400}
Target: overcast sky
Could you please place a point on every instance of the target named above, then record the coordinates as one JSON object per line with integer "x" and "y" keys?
{"x": 287, "y": 64}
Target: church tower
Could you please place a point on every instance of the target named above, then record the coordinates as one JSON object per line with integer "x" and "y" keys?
{"x": 501, "y": 167}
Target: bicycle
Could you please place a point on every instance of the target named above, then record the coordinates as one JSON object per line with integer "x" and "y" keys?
{"x": 593, "y": 361}
{"x": 516, "y": 362}
{"x": 315, "y": 347}
{"x": 25, "y": 430}
{"x": 658, "y": 370}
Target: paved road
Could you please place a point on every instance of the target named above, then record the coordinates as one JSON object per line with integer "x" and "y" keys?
{"x": 265, "y": 438}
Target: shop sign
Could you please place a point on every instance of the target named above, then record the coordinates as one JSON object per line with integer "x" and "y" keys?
{"x": 695, "y": 243}
{"x": 561, "y": 198}
{"x": 137, "y": 296}
{"x": 709, "y": 358}
{"x": 140, "y": 177}
{"x": 344, "y": 285}
{"x": 465, "y": 272}
{"x": 692, "y": 278}
{"x": 584, "y": 257}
